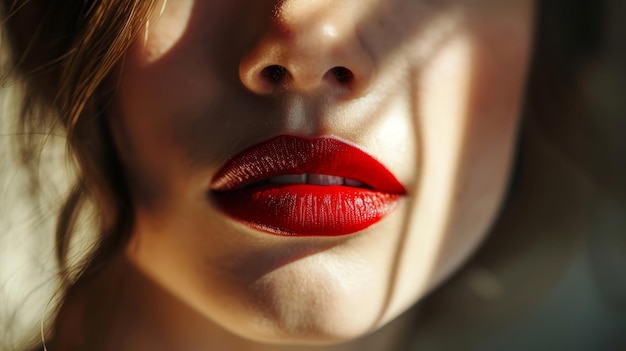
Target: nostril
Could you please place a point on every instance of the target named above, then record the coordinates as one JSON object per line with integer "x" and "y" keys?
{"x": 279, "y": 76}
{"x": 342, "y": 74}
{"x": 274, "y": 73}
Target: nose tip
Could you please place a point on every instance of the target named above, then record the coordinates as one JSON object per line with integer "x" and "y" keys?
{"x": 303, "y": 55}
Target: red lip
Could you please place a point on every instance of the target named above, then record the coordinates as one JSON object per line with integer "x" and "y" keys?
{"x": 241, "y": 190}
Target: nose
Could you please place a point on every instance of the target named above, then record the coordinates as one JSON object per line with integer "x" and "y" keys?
{"x": 305, "y": 48}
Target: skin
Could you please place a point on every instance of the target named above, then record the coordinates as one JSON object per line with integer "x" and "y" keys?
{"x": 435, "y": 98}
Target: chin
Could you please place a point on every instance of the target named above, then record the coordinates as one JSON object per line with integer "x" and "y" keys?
{"x": 316, "y": 300}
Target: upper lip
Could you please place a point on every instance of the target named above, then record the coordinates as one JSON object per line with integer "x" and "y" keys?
{"x": 286, "y": 154}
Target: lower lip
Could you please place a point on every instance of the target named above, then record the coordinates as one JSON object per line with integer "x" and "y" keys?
{"x": 305, "y": 209}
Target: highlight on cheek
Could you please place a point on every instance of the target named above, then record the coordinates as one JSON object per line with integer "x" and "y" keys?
{"x": 444, "y": 93}
{"x": 163, "y": 30}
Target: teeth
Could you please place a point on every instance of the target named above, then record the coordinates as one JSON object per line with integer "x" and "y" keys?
{"x": 322, "y": 179}
{"x": 354, "y": 183}
{"x": 315, "y": 179}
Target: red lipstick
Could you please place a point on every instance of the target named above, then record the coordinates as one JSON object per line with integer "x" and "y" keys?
{"x": 297, "y": 186}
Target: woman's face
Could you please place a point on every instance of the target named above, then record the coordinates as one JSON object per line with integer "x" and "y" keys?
{"x": 426, "y": 90}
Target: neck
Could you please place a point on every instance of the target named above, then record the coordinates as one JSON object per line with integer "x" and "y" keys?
{"x": 122, "y": 309}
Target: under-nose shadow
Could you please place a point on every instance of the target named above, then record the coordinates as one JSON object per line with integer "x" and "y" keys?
{"x": 261, "y": 115}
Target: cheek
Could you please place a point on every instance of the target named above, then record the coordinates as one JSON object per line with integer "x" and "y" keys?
{"x": 150, "y": 118}
{"x": 139, "y": 127}
{"x": 469, "y": 95}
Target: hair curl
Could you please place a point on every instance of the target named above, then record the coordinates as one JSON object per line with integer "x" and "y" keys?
{"x": 62, "y": 53}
